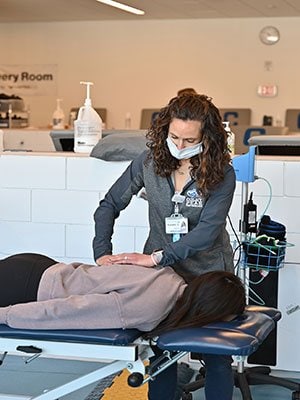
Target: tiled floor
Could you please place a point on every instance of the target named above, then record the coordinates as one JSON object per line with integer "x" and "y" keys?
{"x": 31, "y": 379}
{"x": 261, "y": 392}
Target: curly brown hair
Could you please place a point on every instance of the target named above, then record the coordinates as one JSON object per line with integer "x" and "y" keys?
{"x": 208, "y": 166}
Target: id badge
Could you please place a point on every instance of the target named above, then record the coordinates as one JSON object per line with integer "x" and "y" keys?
{"x": 176, "y": 223}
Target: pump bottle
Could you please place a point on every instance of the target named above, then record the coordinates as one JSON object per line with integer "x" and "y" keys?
{"x": 230, "y": 138}
{"x": 87, "y": 126}
{"x": 58, "y": 117}
{"x": 127, "y": 120}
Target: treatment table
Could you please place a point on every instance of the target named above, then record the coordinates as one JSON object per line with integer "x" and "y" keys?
{"x": 126, "y": 349}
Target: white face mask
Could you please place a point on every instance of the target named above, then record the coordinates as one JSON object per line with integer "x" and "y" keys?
{"x": 185, "y": 153}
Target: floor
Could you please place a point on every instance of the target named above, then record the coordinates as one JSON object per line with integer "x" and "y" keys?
{"x": 263, "y": 392}
{"x": 41, "y": 373}
{"x": 31, "y": 379}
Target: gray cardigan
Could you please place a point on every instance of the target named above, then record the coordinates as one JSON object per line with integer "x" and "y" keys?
{"x": 205, "y": 247}
{"x": 79, "y": 296}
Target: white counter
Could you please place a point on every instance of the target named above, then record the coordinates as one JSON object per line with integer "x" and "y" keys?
{"x": 47, "y": 201}
{"x": 26, "y": 139}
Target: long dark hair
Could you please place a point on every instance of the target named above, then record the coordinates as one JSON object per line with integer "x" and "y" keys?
{"x": 210, "y": 297}
{"x": 207, "y": 167}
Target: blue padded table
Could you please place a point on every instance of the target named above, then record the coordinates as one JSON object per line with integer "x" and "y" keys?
{"x": 126, "y": 348}
{"x": 117, "y": 337}
{"x": 239, "y": 337}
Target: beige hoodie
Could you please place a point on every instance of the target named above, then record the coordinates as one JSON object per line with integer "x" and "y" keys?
{"x": 80, "y": 296}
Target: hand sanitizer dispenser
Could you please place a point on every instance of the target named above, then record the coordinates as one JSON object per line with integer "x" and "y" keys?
{"x": 58, "y": 117}
{"x": 87, "y": 126}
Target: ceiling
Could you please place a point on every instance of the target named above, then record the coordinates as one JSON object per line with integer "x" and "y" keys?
{"x": 91, "y": 10}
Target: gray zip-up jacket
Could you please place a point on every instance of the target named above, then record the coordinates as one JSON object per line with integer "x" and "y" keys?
{"x": 204, "y": 248}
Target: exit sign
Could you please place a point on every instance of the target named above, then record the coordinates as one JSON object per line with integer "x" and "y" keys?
{"x": 267, "y": 90}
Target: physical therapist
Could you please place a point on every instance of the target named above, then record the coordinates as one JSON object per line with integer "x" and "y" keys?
{"x": 189, "y": 185}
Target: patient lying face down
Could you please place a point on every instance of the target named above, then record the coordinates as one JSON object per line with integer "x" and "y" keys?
{"x": 39, "y": 293}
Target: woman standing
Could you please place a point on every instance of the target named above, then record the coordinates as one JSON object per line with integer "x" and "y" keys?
{"x": 189, "y": 185}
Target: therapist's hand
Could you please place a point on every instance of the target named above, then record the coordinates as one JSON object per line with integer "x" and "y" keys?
{"x": 144, "y": 260}
{"x": 104, "y": 260}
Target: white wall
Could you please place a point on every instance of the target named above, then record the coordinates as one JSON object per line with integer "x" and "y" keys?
{"x": 47, "y": 204}
{"x": 141, "y": 64}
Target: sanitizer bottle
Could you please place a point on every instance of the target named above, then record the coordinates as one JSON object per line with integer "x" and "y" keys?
{"x": 230, "y": 138}
{"x": 127, "y": 120}
{"x": 58, "y": 117}
{"x": 87, "y": 126}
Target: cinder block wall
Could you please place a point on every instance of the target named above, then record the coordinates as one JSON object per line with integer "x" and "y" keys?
{"x": 47, "y": 204}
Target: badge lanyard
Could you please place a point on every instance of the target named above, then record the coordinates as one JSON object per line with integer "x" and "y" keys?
{"x": 176, "y": 224}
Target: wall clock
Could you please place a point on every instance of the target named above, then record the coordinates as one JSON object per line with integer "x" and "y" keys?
{"x": 269, "y": 35}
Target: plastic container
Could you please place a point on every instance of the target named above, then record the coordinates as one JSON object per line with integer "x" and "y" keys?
{"x": 87, "y": 126}
{"x": 58, "y": 117}
{"x": 230, "y": 138}
{"x": 1, "y": 141}
{"x": 278, "y": 121}
{"x": 128, "y": 120}
{"x": 72, "y": 118}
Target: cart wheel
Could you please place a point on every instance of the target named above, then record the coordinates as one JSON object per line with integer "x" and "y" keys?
{"x": 135, "y": 379}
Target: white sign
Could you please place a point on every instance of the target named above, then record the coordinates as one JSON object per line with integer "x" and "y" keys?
{"x": 267, "y": 90}
{"x": 29, "y": 80}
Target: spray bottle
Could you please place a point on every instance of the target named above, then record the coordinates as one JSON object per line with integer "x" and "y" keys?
{"x": 58, "y": 117}
{"x": 87, "y": 126}
{"x": 230, "y": 138}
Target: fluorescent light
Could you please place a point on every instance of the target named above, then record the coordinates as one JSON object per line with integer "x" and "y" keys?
{"x": 122, "y": 6}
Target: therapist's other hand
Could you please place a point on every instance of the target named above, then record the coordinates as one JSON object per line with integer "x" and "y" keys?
{"x": 144, "y": 260}
{"x": 104, "y": 260}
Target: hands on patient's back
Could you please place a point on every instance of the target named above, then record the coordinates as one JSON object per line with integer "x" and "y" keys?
{"x": 144, "y": 260}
